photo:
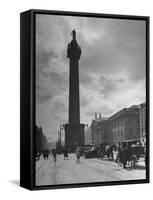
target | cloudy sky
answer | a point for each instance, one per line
(112, 67)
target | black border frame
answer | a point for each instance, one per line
(28, 20)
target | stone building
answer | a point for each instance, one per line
(100, 131)
(40, 140)
(88, 136)
(125, 125)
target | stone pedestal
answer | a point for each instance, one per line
(74, 135)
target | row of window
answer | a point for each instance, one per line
(117, 123)
(117, 134)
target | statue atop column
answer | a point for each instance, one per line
(73, 33)
(74, 50)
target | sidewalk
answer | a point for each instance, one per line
(39, 163)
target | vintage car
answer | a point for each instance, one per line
(91, 152)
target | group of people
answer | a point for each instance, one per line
(45, 154)
(123, 154)
(65, 153)
(76, 152)
(120, 154)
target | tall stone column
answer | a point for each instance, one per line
(74, 131)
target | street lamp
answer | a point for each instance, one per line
(63, 128)
(92, 133)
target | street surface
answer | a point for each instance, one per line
(70, 171)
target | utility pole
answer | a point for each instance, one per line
(92, 133)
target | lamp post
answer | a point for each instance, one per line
(62, 127)
(92, 133)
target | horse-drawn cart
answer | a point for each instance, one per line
(136, 155)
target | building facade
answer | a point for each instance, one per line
(98, 133)
(88, 136)
(41, 143)
(125, 125)
(143, 122)
(101, 132)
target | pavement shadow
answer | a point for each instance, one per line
(15, 182)
(117, 169)
(139, 167)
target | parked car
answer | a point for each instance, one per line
(81, 150)
(91, 152)
(87, 148)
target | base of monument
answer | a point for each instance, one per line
(74, 135)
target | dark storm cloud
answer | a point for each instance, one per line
(121, 49)
(109, 85)
(48, 88)
(50, 85)
(43, 94)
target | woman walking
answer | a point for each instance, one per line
(54, 154)
(78, 156)
(66, 154)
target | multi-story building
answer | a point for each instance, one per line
(100, 132)
(125, 125)
(40, 140)
(88, 136)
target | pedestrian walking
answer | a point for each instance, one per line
(54, 154)
(65, 154)
(115, 153)
(78, 156)
(122, 156)
(127, 151)
(44, 154)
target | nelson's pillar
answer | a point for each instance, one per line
(74, 131)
